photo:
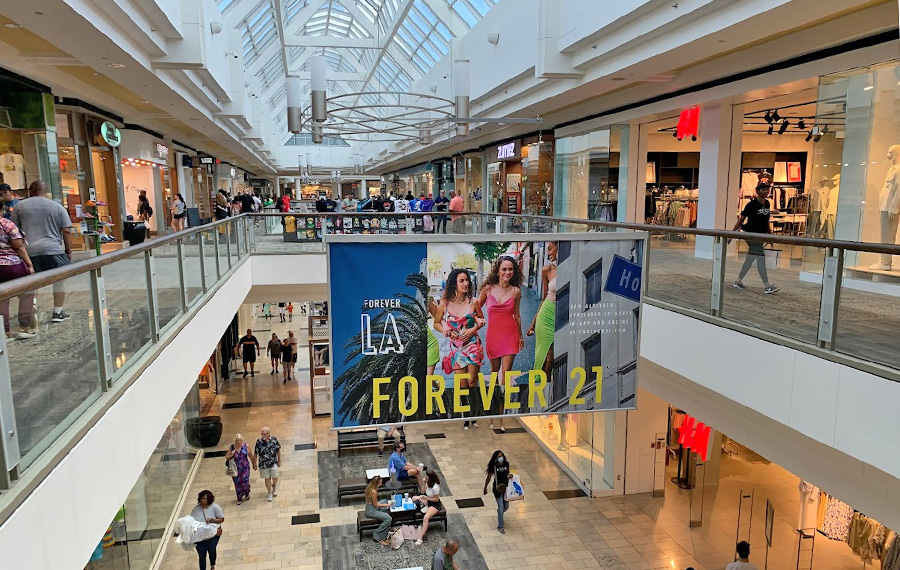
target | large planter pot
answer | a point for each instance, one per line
(203, 432)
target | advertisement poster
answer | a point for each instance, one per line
(440, 329)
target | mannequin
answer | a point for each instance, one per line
(889, 205)
(809, 505)
(832, 205)
(818, 200)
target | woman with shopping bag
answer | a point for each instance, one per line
(498, 470)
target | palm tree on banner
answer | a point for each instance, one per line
(356, 381)
(487, 252)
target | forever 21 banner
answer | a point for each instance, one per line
(428, 329)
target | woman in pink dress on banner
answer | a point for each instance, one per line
(458, 319)
(501, 296)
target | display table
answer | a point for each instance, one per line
(383, 473)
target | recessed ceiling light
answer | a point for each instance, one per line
(116, 65)
(13, 26)
(96, 74)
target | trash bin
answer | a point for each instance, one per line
(134, 232)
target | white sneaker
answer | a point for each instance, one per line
(274, 491)
(880, 267)
(269, 498)
(466, 428)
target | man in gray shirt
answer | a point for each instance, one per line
(443, 558)
(45, 225)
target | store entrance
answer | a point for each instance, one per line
(727, 496)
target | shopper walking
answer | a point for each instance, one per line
(377, 510)
(290, 311)
(287, 358)
(179, 212)
(755, 219)
(295, 350)
(208, 511)
(273, 351)
(222, 206)
(441, 206)
(267, 455)
(458, 223)
(249, 351)
(498, 470)
(241, 455)
(743, 561)
(282, 306)
(443, 558)
(15, 263)
(45, 226)
(145, 212)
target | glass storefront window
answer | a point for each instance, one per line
(469, 181)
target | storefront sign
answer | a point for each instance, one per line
(110, 135)
(207, 160)
(694, 435)
(399, 366)
(688, 123)
(509, 151)
(624, 279)
(162, 151)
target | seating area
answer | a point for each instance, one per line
(413, 517)
(356, 487)
(362, 438)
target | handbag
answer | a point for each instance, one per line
(396, 538)
(447, 365)
(231, 468)
(514, 491)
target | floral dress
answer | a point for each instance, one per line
(462, 354)
(242, 481)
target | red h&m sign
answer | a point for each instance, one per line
(694, 435)
(688, 123)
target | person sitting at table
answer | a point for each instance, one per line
(431, 500)
(377, 510)
(403, 467)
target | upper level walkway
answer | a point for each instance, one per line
(820, 357)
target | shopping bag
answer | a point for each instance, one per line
(772, 256)
(396, 538)
(514, 490)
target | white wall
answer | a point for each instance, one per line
(61, 522)
(851, 411)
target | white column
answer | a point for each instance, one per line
(632, 172)
(721, 136)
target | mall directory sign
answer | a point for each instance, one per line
(444, 327)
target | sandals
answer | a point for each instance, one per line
(384, 542)
(419, 542)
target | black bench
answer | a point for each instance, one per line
(413, 517)
(362, 438)
(356, 486)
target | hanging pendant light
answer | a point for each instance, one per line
(461, 88)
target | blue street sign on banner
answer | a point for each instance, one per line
(624, 279)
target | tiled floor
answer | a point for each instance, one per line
(636, 532)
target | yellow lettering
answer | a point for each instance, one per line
(598, 371)
(377, 396)
(435, 395)
(487, 393)
(582, 376)
(459, 392)
(511, 389)
(410, 393)
(537, 387)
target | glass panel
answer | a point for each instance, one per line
(223, 237)
(679, 272)
(193, 277)
(55, 375)
(209, 253)
(867, 323)
(792, 311)
(233, 240)
(168, 283)
(127, 308)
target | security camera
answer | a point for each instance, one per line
(231, 54)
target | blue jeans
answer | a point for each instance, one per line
(207, 547)
(502, 507)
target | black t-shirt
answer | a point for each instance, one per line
(441, 204)
(246, 203)
(757, 217)
(287, 352)
(248, 342)
(501, 476)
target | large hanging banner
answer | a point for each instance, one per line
(452, 327)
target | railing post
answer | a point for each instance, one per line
(409, 224)
(201, 247)
(239, 236)
(152, 294)
(323, 221)
(832, 277)
(717, 292)
(251, 233)
(101, 328)
(228, 225)
(498, 223)
(217, 234)
(10, 453)
(182, 276)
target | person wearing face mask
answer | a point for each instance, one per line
(403, 467)
(498, 470)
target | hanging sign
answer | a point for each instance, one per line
(688, 123)
(508, 151)
(110, 135)
(694, 435)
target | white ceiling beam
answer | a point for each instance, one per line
(332, 42)
(359, 17)
(334, 76)
(235, 17)
(296, 24)
(388, 38)
(279, 25)
(265, 56)
(448, 15)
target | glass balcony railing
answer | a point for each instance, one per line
(124, 304)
